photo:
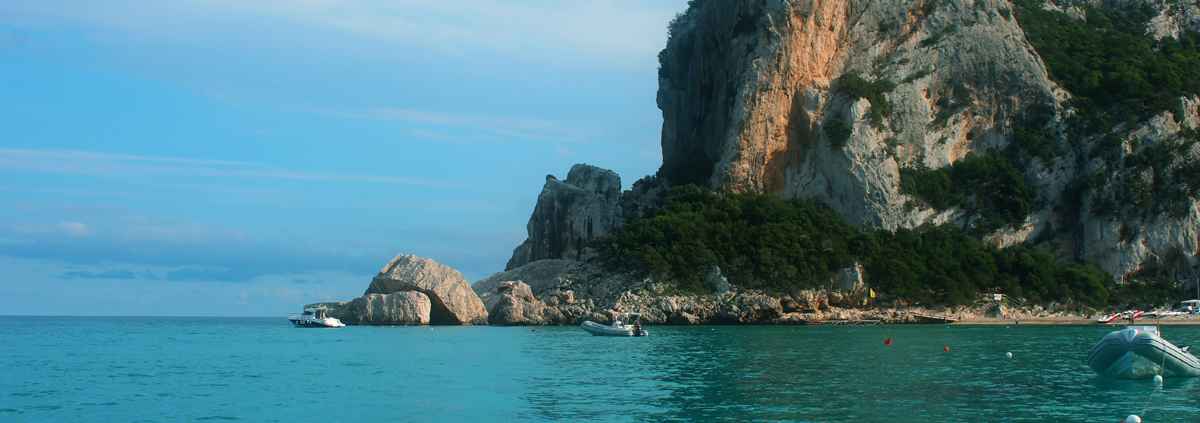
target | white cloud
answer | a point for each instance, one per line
(74, 229)
(603, 32)
(70, 229)
(96, 163)
(505, 127)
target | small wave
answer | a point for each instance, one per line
(226, 418)
(9, 411)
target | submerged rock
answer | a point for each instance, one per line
(451, 299)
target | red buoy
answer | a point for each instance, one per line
(887, 342)
(945, 348)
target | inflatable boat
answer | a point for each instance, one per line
(617, 328)
(1139, 352)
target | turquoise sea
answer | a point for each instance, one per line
(143, 369)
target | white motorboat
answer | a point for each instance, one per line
(1139, 352)
(315, 318)
(617, 328)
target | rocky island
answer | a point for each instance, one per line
(871, 160)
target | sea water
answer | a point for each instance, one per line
(263, 370)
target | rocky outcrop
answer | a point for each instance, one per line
(569, 214)
(451, 299)
(752, 99)
(540, 276)
(514, 304)
(749, 92)
(401, 308)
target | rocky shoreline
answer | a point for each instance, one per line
(411, 290)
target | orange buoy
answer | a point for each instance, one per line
(887, 342)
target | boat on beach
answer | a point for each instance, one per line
(929, 318)
(1140, 352)
(1116, 317)
(315, 318)
(617, 328)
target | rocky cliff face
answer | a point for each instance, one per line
(569, 214)
(757, 96)
(749, 94)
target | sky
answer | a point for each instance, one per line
(243, 158)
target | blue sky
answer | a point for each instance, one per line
(222, 157)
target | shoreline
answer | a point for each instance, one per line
(1075, 322)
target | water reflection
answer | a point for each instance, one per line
(838, 374)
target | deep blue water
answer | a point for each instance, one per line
(263, 370)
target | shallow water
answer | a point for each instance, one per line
(263, 370)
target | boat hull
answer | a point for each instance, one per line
(314, 323)
(1138, 352)
(608, 330)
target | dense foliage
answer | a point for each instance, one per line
(760, 241)
(1159, 178)
(1114, 69)
(854, 86)
(838, 132)
(987, 186)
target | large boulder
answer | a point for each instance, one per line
(451, 299)
(401, 308)
(514, 304)
(540, 275)
(569, 214)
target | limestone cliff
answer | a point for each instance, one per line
(759, 96)
(748, 92)
(569, 214)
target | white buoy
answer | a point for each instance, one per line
(1133, 418)
(1008, 354)
(1158, 380)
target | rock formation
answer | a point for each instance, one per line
(748, 91)
(569, 214)
(400, 308)
(514, 304)
(451, 299)
(752, 101)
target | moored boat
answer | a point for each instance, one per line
(315, 318)
(617, 328)
(929, 318)
(1124, 315)
(1140, 352)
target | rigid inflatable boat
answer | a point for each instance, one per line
(617, 328)
(1139, 352)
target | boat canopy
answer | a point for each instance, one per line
(1191, 302)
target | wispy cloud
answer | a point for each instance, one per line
(97, 163)
(74, 229)
(69, 229)
(102, 274)
(605, 32)
(495, 127)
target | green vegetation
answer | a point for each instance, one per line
(838, 132)
(854, 86)
(986, 185)
(764, 242)
(758, 240)
(1158, 178)
(1115, 70)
